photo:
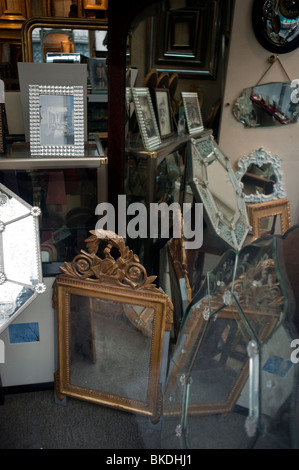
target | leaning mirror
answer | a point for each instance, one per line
(113, 328)
(260, 176)
(267, 105)
(213, 183)
(20, 259)
(232, 357)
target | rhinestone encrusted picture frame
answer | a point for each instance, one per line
(56, 116)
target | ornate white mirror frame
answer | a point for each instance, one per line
(259, 158)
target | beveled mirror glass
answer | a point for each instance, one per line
(20, 259)
(260, 176)
(113, 325)
(267, 105)
(213, 183)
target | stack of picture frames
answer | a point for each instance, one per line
(155, 114)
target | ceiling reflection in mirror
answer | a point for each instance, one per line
(267, 105)
(20, 259)
(213, 183)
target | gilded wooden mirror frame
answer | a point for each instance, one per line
(123, 281)
(55, 23)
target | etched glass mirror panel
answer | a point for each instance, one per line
(20, 259)
(213, 183)
(233, 357)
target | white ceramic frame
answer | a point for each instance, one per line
(192, 97)
(150, 142)
(36, 146)
(261, 157)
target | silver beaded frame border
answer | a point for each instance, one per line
(36, 148)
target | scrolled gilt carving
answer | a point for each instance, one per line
(125, 270)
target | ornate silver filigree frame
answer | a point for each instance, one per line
(261, 157)
(70, 149)
(205, 154)
(146, 118)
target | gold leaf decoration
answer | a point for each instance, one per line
(124, 270)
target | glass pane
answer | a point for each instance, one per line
(67, 199)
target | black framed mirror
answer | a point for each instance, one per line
(276, 24)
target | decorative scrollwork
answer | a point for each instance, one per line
(124, 270)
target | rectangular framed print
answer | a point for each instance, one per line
(146, 118)
(193, 113)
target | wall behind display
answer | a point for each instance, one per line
(247, 63)
(50, 74)
(31, 362)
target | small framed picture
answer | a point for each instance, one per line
(193, 113)
(98, 74)
(146, 118)
(56, 115)
(161, 102)
(95, 4)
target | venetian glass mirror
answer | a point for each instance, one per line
(114, 327)
(267, 105)
(260, 176)
(232, 357)
(20, 259)
(213, 183)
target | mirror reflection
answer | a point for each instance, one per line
(260, 176)
(276, 24)
(259, 179)
(82, 42)
(267, 105)
(108, 351)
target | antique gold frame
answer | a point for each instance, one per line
(122, 280)
(59, 23)
(259, 211)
